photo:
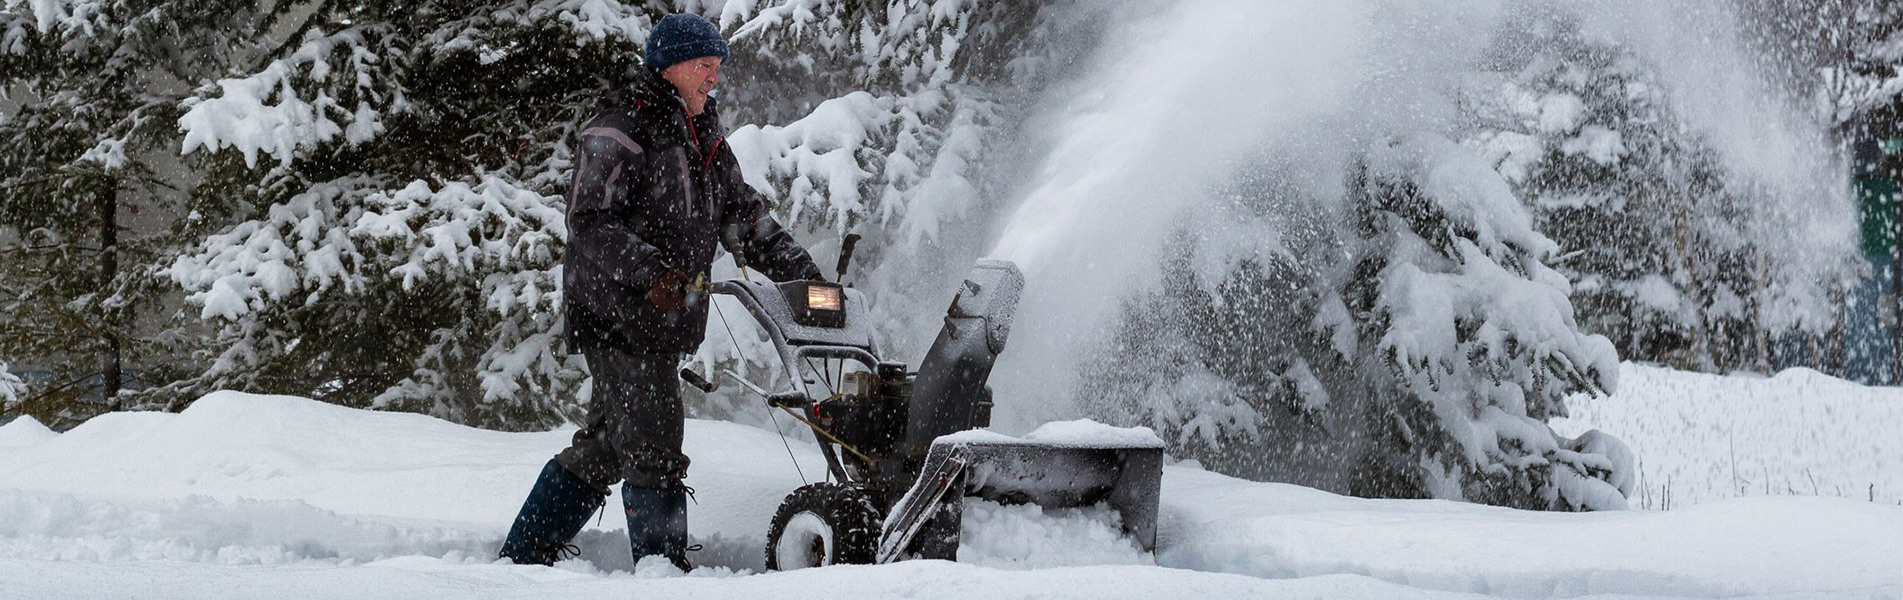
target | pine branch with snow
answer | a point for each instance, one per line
(385, 200)
(1472, 323)
(87, 203)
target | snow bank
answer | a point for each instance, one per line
(23, 432)
(1824, 546)
(1700, 438)
(341, 464)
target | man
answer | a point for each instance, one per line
(655, 188)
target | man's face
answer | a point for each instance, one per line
(694, 79)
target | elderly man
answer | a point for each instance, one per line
(655, 189)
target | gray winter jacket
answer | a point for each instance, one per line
(655, 190)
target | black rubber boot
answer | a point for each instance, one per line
(551, 516)
(657, 523)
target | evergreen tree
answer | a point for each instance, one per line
(1416, 351)
(1666, 246)
(1862, 70)
(395, 175)
(89, 205)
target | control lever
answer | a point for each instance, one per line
(787, 399)
(699, 383)
(845, 256)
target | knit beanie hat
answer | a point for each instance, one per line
(683, 37)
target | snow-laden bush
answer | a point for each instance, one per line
(1405, 340)
(1471, 321)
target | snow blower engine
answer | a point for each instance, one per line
(901, 446)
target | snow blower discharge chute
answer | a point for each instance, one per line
(903, 447)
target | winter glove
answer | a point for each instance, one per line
(669, 291)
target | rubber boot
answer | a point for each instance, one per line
(657, 523)
(551, 516)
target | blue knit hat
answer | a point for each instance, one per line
(683, 37)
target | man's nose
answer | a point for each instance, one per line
(713, 79)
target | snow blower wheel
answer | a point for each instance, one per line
(823, 524)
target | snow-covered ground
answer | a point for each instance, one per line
(1705, 437)
(246, 496)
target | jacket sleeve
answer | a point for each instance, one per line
(601, 243)
(747, 223)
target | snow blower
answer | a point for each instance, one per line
(903, 448)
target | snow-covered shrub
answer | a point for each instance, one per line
(1406, 340)
(1471, 321)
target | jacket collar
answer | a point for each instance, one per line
(648, 89)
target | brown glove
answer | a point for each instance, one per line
(669, 291)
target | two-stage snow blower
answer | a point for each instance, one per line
(900, 468)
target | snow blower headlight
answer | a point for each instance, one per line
(818, 304)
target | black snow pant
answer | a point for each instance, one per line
(633, 431)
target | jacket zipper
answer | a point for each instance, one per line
(693, 137)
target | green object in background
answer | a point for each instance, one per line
(1877, 201)
(1876, 208)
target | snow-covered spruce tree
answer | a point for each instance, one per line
(1652, 226)
(89, 205)
(1408, 341)
(394, 174)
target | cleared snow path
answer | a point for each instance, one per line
(247, 496)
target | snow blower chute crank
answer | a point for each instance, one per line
(899, 476)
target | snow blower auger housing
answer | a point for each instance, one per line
(903, 447)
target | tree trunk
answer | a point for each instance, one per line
(1700, 354)
(1761, 334)
(109, 371)
(1896, 286)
